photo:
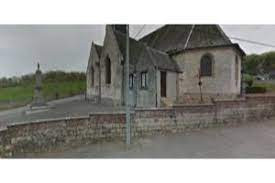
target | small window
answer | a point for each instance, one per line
(206, 65)
(144, 80)
(131, 81)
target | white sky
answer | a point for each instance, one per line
(66, 47)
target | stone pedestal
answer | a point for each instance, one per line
(38, 103)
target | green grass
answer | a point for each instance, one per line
(21, 95)
(64, 89)
(16, 93)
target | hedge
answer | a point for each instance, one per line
(255, 89)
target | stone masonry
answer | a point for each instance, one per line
(50, 135)
(222, 84)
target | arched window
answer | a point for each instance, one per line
(108, 71)
(206, 65)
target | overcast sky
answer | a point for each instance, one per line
(66, 47)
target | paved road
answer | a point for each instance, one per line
(68, 107)
(254, 140)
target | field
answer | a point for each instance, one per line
(11, 97)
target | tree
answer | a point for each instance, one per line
(251, 63)
(259, 64)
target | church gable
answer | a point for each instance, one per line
(111, 69)
(92, 77)
(94, 57)
(111, 47)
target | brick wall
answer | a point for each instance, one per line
(50, 135)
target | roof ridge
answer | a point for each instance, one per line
(223, 33)
(142, 43)
(151, 56)
(149, 49)
(189, 36)
(154, 49)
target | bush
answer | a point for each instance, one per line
(256, 89)
(248, 79)
(249, 83)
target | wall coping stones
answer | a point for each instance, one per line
(108, 112)
(154, 109)
(230, 100)
(193, 105)
(46, 121)
(260, 95)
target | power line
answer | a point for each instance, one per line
(244, 40)
(234, 38)
(253, 42)
(140, 30)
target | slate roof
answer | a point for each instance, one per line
(174, 37)
(139, 50)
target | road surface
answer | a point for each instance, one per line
(68, 107)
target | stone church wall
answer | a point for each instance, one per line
(146, 97)
(221, 83)
(110, 50)
(93, 83)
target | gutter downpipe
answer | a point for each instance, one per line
(156, 69)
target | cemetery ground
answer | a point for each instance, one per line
(248, 140)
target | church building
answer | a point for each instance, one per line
(166, 66)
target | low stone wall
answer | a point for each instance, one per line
(50, 135)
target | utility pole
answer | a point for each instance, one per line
(127, 107)
(200, 83)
